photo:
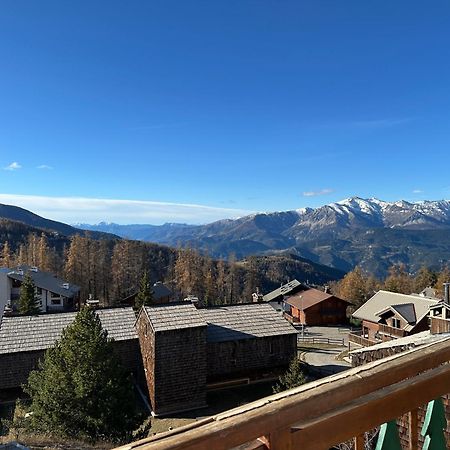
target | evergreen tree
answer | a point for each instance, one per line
(295, 376)
(145, 294)
(28, 303)
(80, 389)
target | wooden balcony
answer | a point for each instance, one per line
(391, 331)
(358, 338)
(321, 414)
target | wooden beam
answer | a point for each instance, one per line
(244, 424)
(369, 411)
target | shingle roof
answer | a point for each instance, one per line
(235, 322)
(46, 281)
(285, 289)
(160, 290)
(30, 333)
(172, 316)
(383, 299)
(310, 297)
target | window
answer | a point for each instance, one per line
(53, 295)
(38, 291)
(56, 301)
(396, 323)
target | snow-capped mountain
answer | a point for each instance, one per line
(370, 232)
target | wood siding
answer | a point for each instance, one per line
(16, 367)
(246, 356)
(332, 311)
(175, 367)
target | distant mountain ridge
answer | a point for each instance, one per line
(370, 232)
(17, 214)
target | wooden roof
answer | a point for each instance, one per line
(39, 332)
(310, 297)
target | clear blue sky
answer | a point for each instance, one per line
(235, 105)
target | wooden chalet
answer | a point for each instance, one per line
(315, 307)
(24, 340)
(184, 349)
(389, 315)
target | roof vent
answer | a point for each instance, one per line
(65, 285)
(34, 269)
(19, 271)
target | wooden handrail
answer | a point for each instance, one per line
(348, 404)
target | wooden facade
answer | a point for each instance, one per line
(15, 367)
(185, 348)
(317, 308)
(249, 357)
(174, 366)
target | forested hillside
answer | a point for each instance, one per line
(110, 269)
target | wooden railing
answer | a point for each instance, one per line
(321, 414)
(319, 340)
(357, 338)
(390, 331)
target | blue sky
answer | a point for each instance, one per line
(229, 105)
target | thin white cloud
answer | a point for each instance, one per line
(317, 193)
(417, 191)
(94, 210)
(13, 166)
(44, 167)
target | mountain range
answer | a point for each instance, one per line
(368, 232)
(17, 223)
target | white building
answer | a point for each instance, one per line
(53, 294)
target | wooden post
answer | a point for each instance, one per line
(413, 430)
(359, 442)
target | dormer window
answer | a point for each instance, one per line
(396, 323)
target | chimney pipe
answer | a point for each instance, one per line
(447, 293)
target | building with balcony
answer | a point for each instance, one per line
(52, 293)
(389, 315)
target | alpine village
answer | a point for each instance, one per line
(106, 340)
(224, 225)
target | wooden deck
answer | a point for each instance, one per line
(318, 415)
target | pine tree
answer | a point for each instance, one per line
(295, 376)
(28, 303)
(145, 294)
(80, 389)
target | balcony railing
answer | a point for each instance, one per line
(391, 331)
(321, 414)
(358, 338)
